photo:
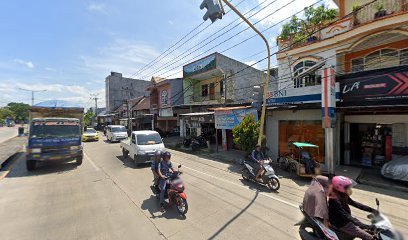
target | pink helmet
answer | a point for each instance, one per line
(341, 183)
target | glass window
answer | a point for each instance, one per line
(222, 88)
(90, 130)
(118, 129)
(164, 97)
(54, 129)
(148, 139)
(357, 65)
(310, 79)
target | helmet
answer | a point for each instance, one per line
(341, 183)
(166, 154)
(158, 153)
(257, 145)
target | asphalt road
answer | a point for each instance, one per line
(108, 198)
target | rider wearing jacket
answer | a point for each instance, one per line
(155, 167)
(165, 168)
(315, 199)
(340, 213)
(256, 156)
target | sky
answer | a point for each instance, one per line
(68, 47)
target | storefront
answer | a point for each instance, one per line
(226, 119)
(375, 108)
(143, 122)
(196, 124)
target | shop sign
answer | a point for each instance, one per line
(228, 119)
(329, 98)
(387, 86)
(200, 66)
(290, 95)
(166, 112)
(196, 120)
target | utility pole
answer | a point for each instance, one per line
(95, 98)
(32, 93)
(215, 11)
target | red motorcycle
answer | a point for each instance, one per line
(175, 192)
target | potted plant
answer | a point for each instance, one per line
(381, 11)
(356, 7)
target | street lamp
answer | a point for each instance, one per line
(32, 93)
(214, 12)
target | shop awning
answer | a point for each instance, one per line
(302, 144)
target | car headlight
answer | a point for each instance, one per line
(35, 150)
(75, 148)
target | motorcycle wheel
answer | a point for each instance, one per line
(273, 184)
(245, 174)
(283, 163)
(182, 205)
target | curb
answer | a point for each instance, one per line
(9, 164)
(385, 186)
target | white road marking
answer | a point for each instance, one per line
(244, 187)
(92, 163)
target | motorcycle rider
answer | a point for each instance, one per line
(340, 213)
(154, 167)
(315, 199)
(256, 156)
(165, 169)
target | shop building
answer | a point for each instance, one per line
(198, 123)
(358, 43)
(166, 100)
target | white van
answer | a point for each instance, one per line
(116, 133)
(141, 146)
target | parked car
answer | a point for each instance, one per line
(141, 146)
(90, 134)
(396, 169)
(116, 133)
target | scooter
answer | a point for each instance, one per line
(268, 178)
(312, 229)
(175, 192)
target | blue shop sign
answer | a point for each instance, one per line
(228, 119)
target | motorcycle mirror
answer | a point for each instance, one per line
(377, 202)
(179, 166)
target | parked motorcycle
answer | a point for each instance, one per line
(312, 229)
(187, 142)
(175, 192)
(269, 177)
(198, 142)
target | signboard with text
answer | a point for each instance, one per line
(228, 119)
(203, 65)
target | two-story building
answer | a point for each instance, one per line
(216, 81)
(166, 100)
(367, 47)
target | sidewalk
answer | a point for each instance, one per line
(11, 147)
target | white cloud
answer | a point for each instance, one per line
(249, 63)
(50, 69)
(28, 64)
(97, 7)
(171, 22)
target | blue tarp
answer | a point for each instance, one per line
(57, 104)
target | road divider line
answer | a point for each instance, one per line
(92, 163)
(244, 187)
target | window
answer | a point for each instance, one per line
(212, 91)
(222, 82)
(382, 58)
(204, 90)
(310, 79)
(164, 97)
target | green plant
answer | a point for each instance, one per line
(379, 6)
(356, 6)
(298, 30)
(246, 133)
(89, 115)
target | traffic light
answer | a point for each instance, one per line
(214, 10)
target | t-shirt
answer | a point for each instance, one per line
(154, 166)
(164, 167)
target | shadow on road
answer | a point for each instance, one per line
(214, 236)
(130, 164)
(152, 205)
(43, 168)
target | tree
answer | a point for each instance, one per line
(89, 116)
(6, 112)
(299, 30)
(20, 110)
(246, 133)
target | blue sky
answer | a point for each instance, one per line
(69, 47)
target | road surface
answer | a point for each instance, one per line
(108, 198)
(7, 132)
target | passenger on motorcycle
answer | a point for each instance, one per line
(315, 199)
(155, 166)
(340, 213)
(256, 156)
(165, 169)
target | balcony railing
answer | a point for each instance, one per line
(209, 97)
(370, 12)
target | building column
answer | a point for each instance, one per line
(224, 139)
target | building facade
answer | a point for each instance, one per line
(119, 89)
(367, 49)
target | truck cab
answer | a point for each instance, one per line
(141, 146)
(54, 135)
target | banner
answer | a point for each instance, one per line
(203, 65)
(228, 119)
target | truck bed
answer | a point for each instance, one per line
(125, 144)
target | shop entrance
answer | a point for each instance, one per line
(370, 144)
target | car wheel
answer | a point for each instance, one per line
(31, 165)
(79, 160)
(135, 161)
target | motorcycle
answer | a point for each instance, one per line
(198, 142)
(312, 229)
(269, 177)
(174, 192)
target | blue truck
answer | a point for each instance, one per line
(55, 132)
